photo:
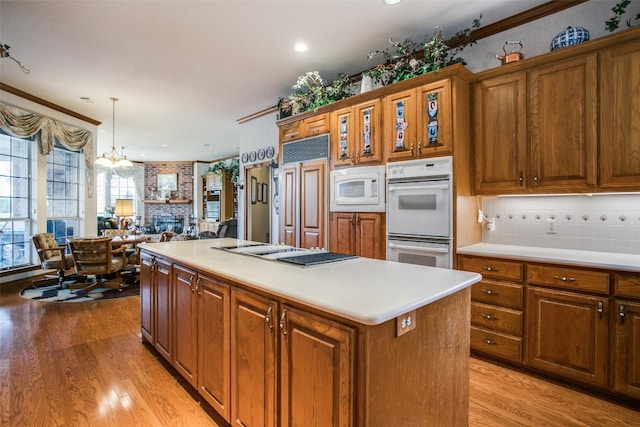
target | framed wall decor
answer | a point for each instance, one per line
(167, 182)
(254, 190)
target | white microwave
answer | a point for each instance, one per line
(357, 189)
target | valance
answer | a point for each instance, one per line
(25, 124)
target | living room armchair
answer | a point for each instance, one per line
(96, 257)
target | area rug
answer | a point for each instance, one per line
(53, 293)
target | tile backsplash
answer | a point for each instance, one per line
(604, 223)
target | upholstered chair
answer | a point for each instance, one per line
(97, 258)
(52, 256)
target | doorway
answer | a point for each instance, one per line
(260, 188)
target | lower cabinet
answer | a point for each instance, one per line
(568, 334)
(316, 365)
(163, 286)
(626, 346)
(361, 234)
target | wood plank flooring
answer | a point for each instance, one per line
(82, 364)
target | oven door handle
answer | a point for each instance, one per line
(417, 248)
(421, 187)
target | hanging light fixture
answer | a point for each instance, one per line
(4, 53)
(113, 159)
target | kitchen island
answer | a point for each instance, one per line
(359, 342)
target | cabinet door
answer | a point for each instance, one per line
(343, 137)
(563, 119)
(434, 119)
(370, 234)
(288, 205)
(400, 125)
(315, 125)
(290, 131)
(343, 235)
(147, 293)
(253, 360)
(620, 117)
(500, 138)
(626, 378)
(368, 132)
(317, 371)
(313, 205)
(164, 309)
(185, 323)
(568, 334)
(214, 357)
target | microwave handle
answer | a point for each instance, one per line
(421, 187)
(433, 250)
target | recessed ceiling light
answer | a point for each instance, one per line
(392, 2)
(165, 145)
(301, 47)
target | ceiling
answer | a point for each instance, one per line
(186, 71)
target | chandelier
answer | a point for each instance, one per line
(113, 159)
(4, 53)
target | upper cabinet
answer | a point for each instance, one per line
(548, 125)
(620, 117)
(356, 134)
(304, 128)
(417, 122)
(535, 129)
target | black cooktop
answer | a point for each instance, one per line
(315, 258)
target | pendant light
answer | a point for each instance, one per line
(113, 159)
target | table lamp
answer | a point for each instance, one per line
(124, 209)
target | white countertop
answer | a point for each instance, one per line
(608, 260)
(364, 290)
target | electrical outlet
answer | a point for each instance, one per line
(551, 226)
(405, 323)
(491, 224)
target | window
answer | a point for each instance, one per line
(63, 196)
(15, 224)
(110, 189)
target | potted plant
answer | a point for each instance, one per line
(312, 92)
(231, 168)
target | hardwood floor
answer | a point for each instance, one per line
(81, 364)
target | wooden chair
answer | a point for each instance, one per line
(131, 254)
(52, 256)
(95, 257)
(166, 236)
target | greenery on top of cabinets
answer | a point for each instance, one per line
(618, 10)
(231, 168)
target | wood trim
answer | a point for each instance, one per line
(260, 113)
(47, 104)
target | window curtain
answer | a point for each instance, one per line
(135, 172)
(24, 124)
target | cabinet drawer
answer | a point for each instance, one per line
(316, 125)
(568, 278)
(627, 285)
(497, 293)
(497, 269)
(497, 344)
(290, 131)
(496, 318)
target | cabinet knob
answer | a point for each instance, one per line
(490, 269)
(564, 279)
(489, 292)
(521, 179)
(600, 308)
(489, 341)
(488, 316)
(535, 178)
(621, 313)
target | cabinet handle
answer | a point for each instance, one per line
(621, 313)
(489, 292)
(521, 179)
(357, 157)
(357, 219)
(411, 147)
(267, 318)
(490, 269)
(535, 178)
(564, 279)
(191, 284)
(600, 308)
(488, 316)
(488, 341)
(419, 147)
(283, 319)
(352, 218)
(198, 289)
(353, 159)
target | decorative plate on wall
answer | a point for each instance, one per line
(270, 152)
(252, 156)
(245, 157)
(261, 154)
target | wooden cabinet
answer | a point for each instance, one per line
(213, 181)
(185, 323)
(418, 122)
(317, 362)
(214, 354)
(544, 119)
(311, 126)
(254, 334)
(626, 346)
(147, 298)
(568, 334)
(619, 117)
(361, 234)
(356, 134)
(289, 177)
(162, 283)
(496, 307)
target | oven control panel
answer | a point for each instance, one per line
(420, 168)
